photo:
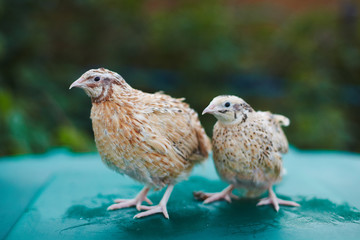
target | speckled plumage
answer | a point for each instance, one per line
(247, 145)
(248, 153)
(153, 138)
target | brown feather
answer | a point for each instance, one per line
(247, 150)
(153, 138)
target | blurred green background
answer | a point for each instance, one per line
(297, 58)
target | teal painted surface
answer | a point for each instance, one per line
(61, 195)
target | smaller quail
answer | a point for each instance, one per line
(247, 150)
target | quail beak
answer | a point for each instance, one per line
(78, 83)
(209, 109)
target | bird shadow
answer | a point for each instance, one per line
(191, 217)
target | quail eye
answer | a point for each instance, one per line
(227, 104)
(96, 79)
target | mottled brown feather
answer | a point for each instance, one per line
(153, 138)
(247, 151)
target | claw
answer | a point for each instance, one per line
(148, 201)
(125, 203)
(153, 210)
(225, 194)
(160, 208)
(227, 198)
(272, 199)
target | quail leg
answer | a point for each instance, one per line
(137, 201)
(225, 194)
(272, 199)
(160, 208)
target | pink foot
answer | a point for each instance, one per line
(272, 199)
(161, 208)
(225, 194)
(137, 201)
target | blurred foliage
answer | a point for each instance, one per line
(305, 65)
